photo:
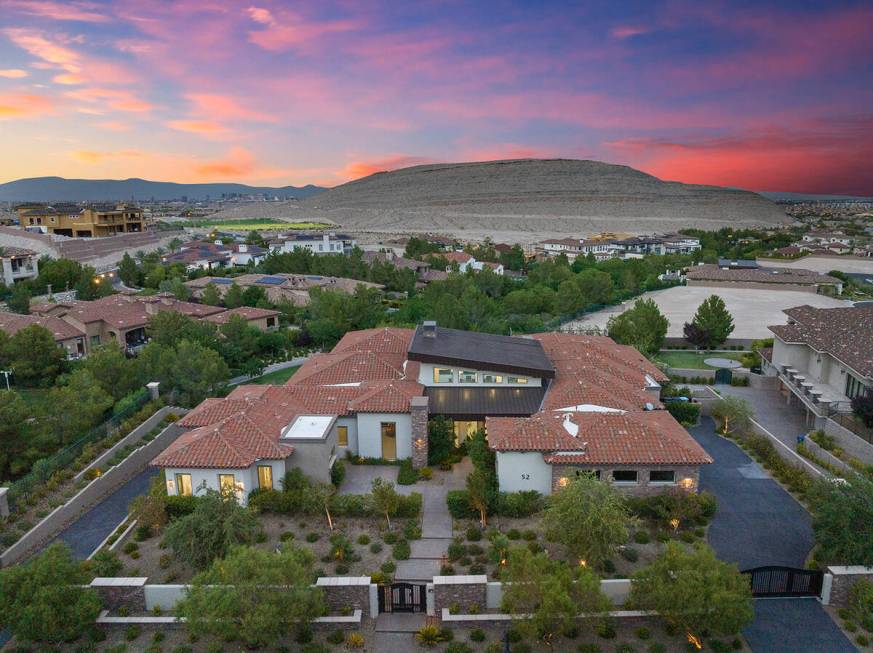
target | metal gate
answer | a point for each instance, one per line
(723, 376)
(785, 581)
(402, 597)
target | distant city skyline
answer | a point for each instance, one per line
(769, 96)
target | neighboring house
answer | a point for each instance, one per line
(65, 334)
(768, 278)
(824, 356)
(280, 286)
(243, 254)
(866, 251)
(78, 222)
(571, 247)
(466, 262)
(201, 255)
(678, 244)
(827, 237)
(551, 404)
(18, 264)
(320, 243)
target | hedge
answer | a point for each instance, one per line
(684, 411)
(509, 504)
(342, 505)
(179, 506)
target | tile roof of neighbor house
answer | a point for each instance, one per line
(491, 352)
(248, 313)
(456, 257)
(127, 311)
(795, 276)
(11, 252)
(12, 323)
(844, 333)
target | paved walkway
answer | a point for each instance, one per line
(758, 523)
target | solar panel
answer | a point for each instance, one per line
(221, 281)
(273, 281)
(313, 277)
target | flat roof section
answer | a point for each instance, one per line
(434, 344)
(309, 427)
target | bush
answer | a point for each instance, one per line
(388, 567)
(477, 635)
(629, 553)
(529, 535)
(179, 506)
(130, 547)
(363, 539)
(447, 570)
(684, 411)
(409, 506)
(406, 475)
(606, 630)
(624, 648)
(142, 533)
(337, 473)
(312, 537)
(355, 640)
(412, 531)
(390, 538)
(375, 547)
(513, 534)
(458, 647)
(132, 632)
(643, 633)
(657, 647)
(425, 473)
(589, 648)
(642, 537)
(474, 534)
(286, 536)
(520, 504)
(401, 550)
(336, 637)
(458, 502)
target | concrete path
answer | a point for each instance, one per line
(758, 523)
(359, 478)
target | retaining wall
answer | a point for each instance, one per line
(852, 444)
(841, 581)
(89, 496)
(825, 455)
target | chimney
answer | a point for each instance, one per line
(428, 328)
(419, 414)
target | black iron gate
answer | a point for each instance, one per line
(785, 581)
(723, 376)
(402, 597)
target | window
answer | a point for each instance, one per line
(854, 388)
(662, 476)
(467, 376)
(492, 378)
(516, 380)
(443, 375)
(226, 483)
(593, 472)
(95, 340)
(183, 485)
(342, 436)
(265, 477)
(624, 476)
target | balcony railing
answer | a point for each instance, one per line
(820, 402)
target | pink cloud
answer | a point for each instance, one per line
(118, 99)
(359, 169)
(13, 73)
(224, 107)
(95, 156)
(628, 31)
(86, 12)
(288, 30)
(114, 125)
(261, 15)
(196, 126)
(25, 105)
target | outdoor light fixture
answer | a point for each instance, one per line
(674, 523)
(563, 481)
(583, 563)
(687, 483)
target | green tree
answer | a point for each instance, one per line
(713, 321)
(319, 497)
(150, 509)
(569, 298)
(385, 498)
(440, 439)
(168, 328)
(35, 357)
(176, 287)
(233, 298)
(78, 404)
(211, 296)
(843, 520)
(128, 271)
(114, 372)
(589, 517)
(197, 373)
(14, 435)
(44, 599)
(217, 524)
(642, 326)
(174, 244)
(694, 590)
(19, 299)
(239, 343)
(735, 412)
(478, 491)
(596, 286)
(546, 597)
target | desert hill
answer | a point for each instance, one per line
(527, 199)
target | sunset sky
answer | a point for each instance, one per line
(758, 95)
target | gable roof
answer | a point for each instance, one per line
(12, 323)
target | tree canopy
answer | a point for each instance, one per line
(643, 327)
(711, 325)
(843, 520)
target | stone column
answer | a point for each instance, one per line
(117, 592)
(465, 591)
(4, 503)
(154, 389)
(418, 412)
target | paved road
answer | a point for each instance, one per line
(758, 523)
(294, 362)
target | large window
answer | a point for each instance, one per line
(662, 476)
(226, 483)
(516, 380)
(589, 472)
(183, 485)
(443, 375)
(624, 476)
(265, 477)
(342, 436)
(467, 376)
(492, 378)
(854, 388)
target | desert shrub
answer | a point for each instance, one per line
(409, 506)
(179, 506)
(337, 473)
(363, 539)
(684, 411)
(375, 547)
(458, 502)
(629, 553)
(642, 537)
(513, 534)
(520, 504)
(477, 635)
(401, 550)
(473, 533)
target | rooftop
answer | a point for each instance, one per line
(794, 276)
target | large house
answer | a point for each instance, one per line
(747, 274)
(552, 405)
(18, 264)
(824, 356)
(280, 286)
(317, 243)
(79, 326)
(78, 222)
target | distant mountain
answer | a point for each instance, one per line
(777, 196)
(58, 189)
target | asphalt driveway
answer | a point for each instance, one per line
(757, 523)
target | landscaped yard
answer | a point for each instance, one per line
(276, 378)
(694, 360)
(251, 224)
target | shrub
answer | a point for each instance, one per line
(425, 473)
(528, 535)
(642, 537)
(388, 567)
(456, 551)
(401, 550)
(513, 534)
(341, 568)
(624, 648)
(142, 533)
(465, 561)
(406, 475)
(657, 647)
(337, 473)
(629, 553)
(447, 570)
(286, 536)
(390, 538)
(477, 568)
(130, 547)
(363, 539)
(477, 635)
(458, 502)
(355, 640)
(409, 506)
(643, 632)
(609, 566)
(412, 531)
(589, 648)
(684, 411)
(605, 630)
(475, 550)
(132, 632)
(165, 560)
(458, 647)
(520, 504)
(312, 537)
(862, 640)
(429, 635)
(375, 547)
(158, 637)
(474, 533)
(179, 506)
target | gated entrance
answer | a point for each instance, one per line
(723, 376)
(402, 597)
(785, 581)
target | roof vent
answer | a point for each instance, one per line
(650, 406)
(428, 327)
(569, 426)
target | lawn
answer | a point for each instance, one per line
(276, 378)
(693, 360)
(251, 224)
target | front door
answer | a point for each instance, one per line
(389, 440)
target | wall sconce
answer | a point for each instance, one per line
(563, 481)
(583, 563)
(674, 523)
(687, 483)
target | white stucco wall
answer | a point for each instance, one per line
(425, 377)
(369, 434)
(352, 424)
(517, 472)
(796, 356)
(248, 478)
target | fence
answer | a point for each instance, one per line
(42, 470)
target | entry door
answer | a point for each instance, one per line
(389, 440)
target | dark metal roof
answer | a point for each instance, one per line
(479, 403)
(746, 264)
(433, 344)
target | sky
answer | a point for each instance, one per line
(759, 95)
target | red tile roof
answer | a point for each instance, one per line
(248, 313)
(11, 323)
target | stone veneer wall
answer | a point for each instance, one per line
(465, 591)
(842, 580)
(641, 488)
(418, 413)
(118, 592)
(344, 591)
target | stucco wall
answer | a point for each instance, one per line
(517, 472)
(313, 456)
(753, 285)
(370, 434)
(796, 356)
(246, 479)
(352, 424)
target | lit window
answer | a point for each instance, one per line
(624, 476)
(662, 476)
(443, 375)
(589, 472)
(183, 483)
(516, 380)
(492, 378)
(467, 376)
(265, 477)
(342, 436)
(226, 483)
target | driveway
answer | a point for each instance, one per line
(758, 523)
